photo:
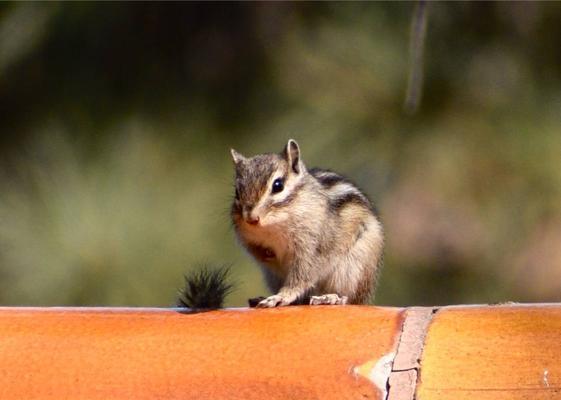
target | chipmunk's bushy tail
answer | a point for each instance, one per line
(206, 287)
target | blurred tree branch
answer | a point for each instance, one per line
(416, 55)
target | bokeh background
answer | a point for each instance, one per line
(116, 121)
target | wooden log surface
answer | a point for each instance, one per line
(283, 353)
(497, 352)
(328, 352)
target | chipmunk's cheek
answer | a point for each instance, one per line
(265, 218)
(274, 217)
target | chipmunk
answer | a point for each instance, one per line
(314, 233)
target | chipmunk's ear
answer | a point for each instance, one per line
(292, 155)
(236, 157)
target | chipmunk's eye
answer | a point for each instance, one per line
(237, 194)
(278, 185)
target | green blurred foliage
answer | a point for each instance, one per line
(117, 119)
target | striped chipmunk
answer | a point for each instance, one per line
(315, 235)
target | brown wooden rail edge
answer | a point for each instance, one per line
(510, 351)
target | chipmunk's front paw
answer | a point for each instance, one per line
(273, 301)
(332, 299)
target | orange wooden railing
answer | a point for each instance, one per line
(327, 352)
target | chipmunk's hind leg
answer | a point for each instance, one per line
(328, 299)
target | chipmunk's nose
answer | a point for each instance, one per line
(249, 216)
(252, 220)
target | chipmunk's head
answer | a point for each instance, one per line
(266, 184)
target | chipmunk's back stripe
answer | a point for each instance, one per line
(326, 178)
(352, 197)
(343, 190)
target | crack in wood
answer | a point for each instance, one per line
(402, 381)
